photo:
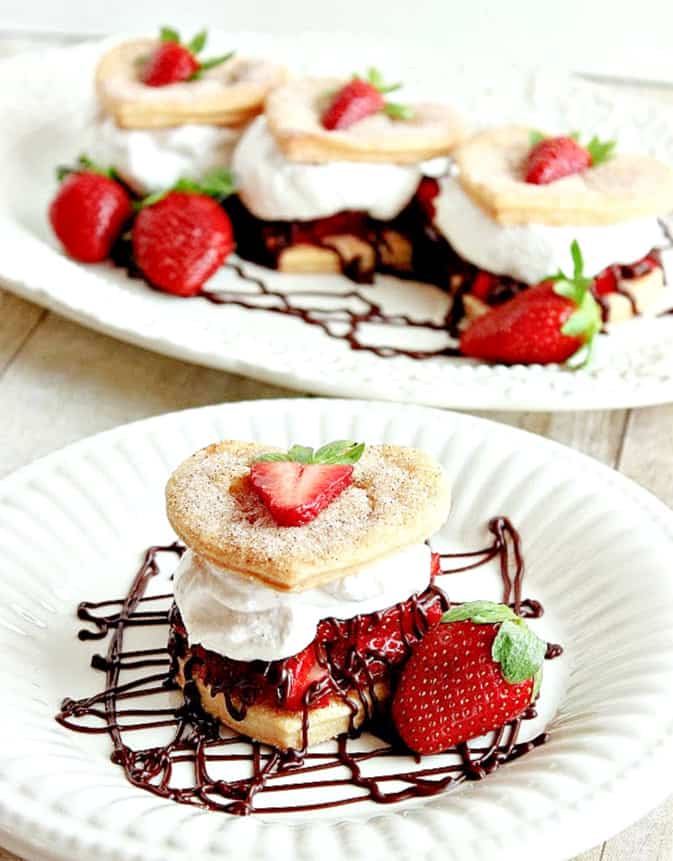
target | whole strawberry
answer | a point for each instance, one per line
(361, 98)
(182, 237)
(172, 62)
(89, 211)
(552, 158)
(297, 485)
(554, 322)
(479, 668)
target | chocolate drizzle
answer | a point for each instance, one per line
(230, 773)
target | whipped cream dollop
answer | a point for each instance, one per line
(154, 159)
(276, 189)
(243, 619)
(531, 252)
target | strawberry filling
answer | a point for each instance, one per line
(345, 654)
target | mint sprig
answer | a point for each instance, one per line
(218, 184)
(195, 45)
(518, 650)
(393, 109)
(586, 322)
(341, 451)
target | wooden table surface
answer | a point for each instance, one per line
(60, 382)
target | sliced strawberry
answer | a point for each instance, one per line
(483, 284)
(296, 675)
(426, 193)
(296, 493)
(474, 672)
(170, 63)
(555, 158)
(354, 101)
(606, 281)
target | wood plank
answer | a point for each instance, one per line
(68, 382)
(18, 319)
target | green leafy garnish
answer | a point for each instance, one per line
(398, 111)
(535, 137)
(84, 163)
(516, 648)
(218, 184)
(198, 42)
(600, 151)
(586, 322)
(341, 451)
(392, 109)
(168, 34)
(375, 78)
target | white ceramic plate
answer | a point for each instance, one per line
(46, 104)
(598, 549)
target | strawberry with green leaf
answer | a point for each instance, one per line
(479, 668)
(173, 62)
(361, 98)
(89, 210)
(555, 322)
(295, 486)
(182, 236)
(552, 158)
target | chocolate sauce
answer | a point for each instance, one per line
(142, 702)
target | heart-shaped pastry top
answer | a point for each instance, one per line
(399, 497)
(294, 114)
(229, 94)
(491, 168)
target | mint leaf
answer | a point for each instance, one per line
(536, 137)
(271, 456)
(343, 451)
(168, 34)
(198, 43)
(480, 612)
(537, 684)
(300, 454)
(398, 111)
(210, 63)
(600, 151)
(518, 650)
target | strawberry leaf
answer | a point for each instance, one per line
(480, 612)
(198, 43)
(518, 650)
(398, 111)
(211, 63)
(300, 454)
(536, 137)
(168, 34)
(600, 151)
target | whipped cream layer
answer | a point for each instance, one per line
(531, 252)
(243, 619)
(276, 189)
(154, 159)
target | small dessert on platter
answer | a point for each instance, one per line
(168, 112)
(325, 173)
(517, 200)
(307, 580)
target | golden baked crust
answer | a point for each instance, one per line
(399, 497)
(231, 94)
(293, 112)
(284, 729)
(491, 169)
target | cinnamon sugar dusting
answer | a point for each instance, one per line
(398, 497)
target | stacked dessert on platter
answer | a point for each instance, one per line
(325, 175)
(306, 601)
(166, 112)
(539, 241)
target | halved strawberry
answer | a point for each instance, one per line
(173, 62)
(297, 485)
(296, 493)
(552, 158)
(296, 675)
(360, 98)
